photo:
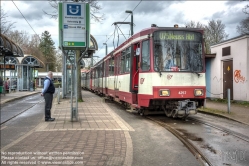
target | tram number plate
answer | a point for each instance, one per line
(182, 92)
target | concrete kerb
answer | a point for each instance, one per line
(129, 147)
(222, 116)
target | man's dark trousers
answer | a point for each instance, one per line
(48, 104)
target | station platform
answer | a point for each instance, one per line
(238, 112)
(99, 137)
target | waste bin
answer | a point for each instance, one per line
(1, 89)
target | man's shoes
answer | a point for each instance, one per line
(49, 119)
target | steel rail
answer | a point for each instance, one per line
(230, 132)
(1, 123)
(20, 112)
(197, 153)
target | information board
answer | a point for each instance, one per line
(7, 67)
(74, 21)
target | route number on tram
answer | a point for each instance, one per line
(182, 92)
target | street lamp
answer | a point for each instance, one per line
(105, 48)
(129, 11)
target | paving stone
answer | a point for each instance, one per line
(99, 133)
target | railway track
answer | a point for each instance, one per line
(197, 153)
(220, 128)
(27, 99)
(19, 113)
(16, 104)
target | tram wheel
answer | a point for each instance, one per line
(167, 112)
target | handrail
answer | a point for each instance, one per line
(133, 80)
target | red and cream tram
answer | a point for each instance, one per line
(157, 69)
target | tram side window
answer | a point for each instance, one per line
(145, 60)
(104, 72)
(92, 74)
(106, 68)
(127, 60)
(96, 73)
(123, 62)
(100, 71)
(111, 67)
(118, 64)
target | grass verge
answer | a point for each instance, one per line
(215, 111)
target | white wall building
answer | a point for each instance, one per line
(229, 69)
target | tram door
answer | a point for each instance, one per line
(105, 77)
(96, 83)
(134, 71)
(101, 77)
(116, 73)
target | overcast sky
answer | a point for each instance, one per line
(162, 13)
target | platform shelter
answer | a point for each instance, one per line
(8, 53)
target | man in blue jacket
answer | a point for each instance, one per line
(47, 92)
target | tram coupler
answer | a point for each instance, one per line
(185, 108)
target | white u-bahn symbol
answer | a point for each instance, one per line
(74, 10)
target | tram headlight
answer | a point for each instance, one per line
(198, 92)
(164, 92)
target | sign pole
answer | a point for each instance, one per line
(4, 72)
(74, 34)
(77, 54)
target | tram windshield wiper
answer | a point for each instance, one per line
(160, 72)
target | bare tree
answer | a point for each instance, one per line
(214, 33)
(58, 63)
(95, 8)
(193, 24)
(243, 27)
(245, 9)
(5, 25)
(33, 48)
(35, 41)
(21, 38)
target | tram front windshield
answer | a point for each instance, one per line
(178, 51)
